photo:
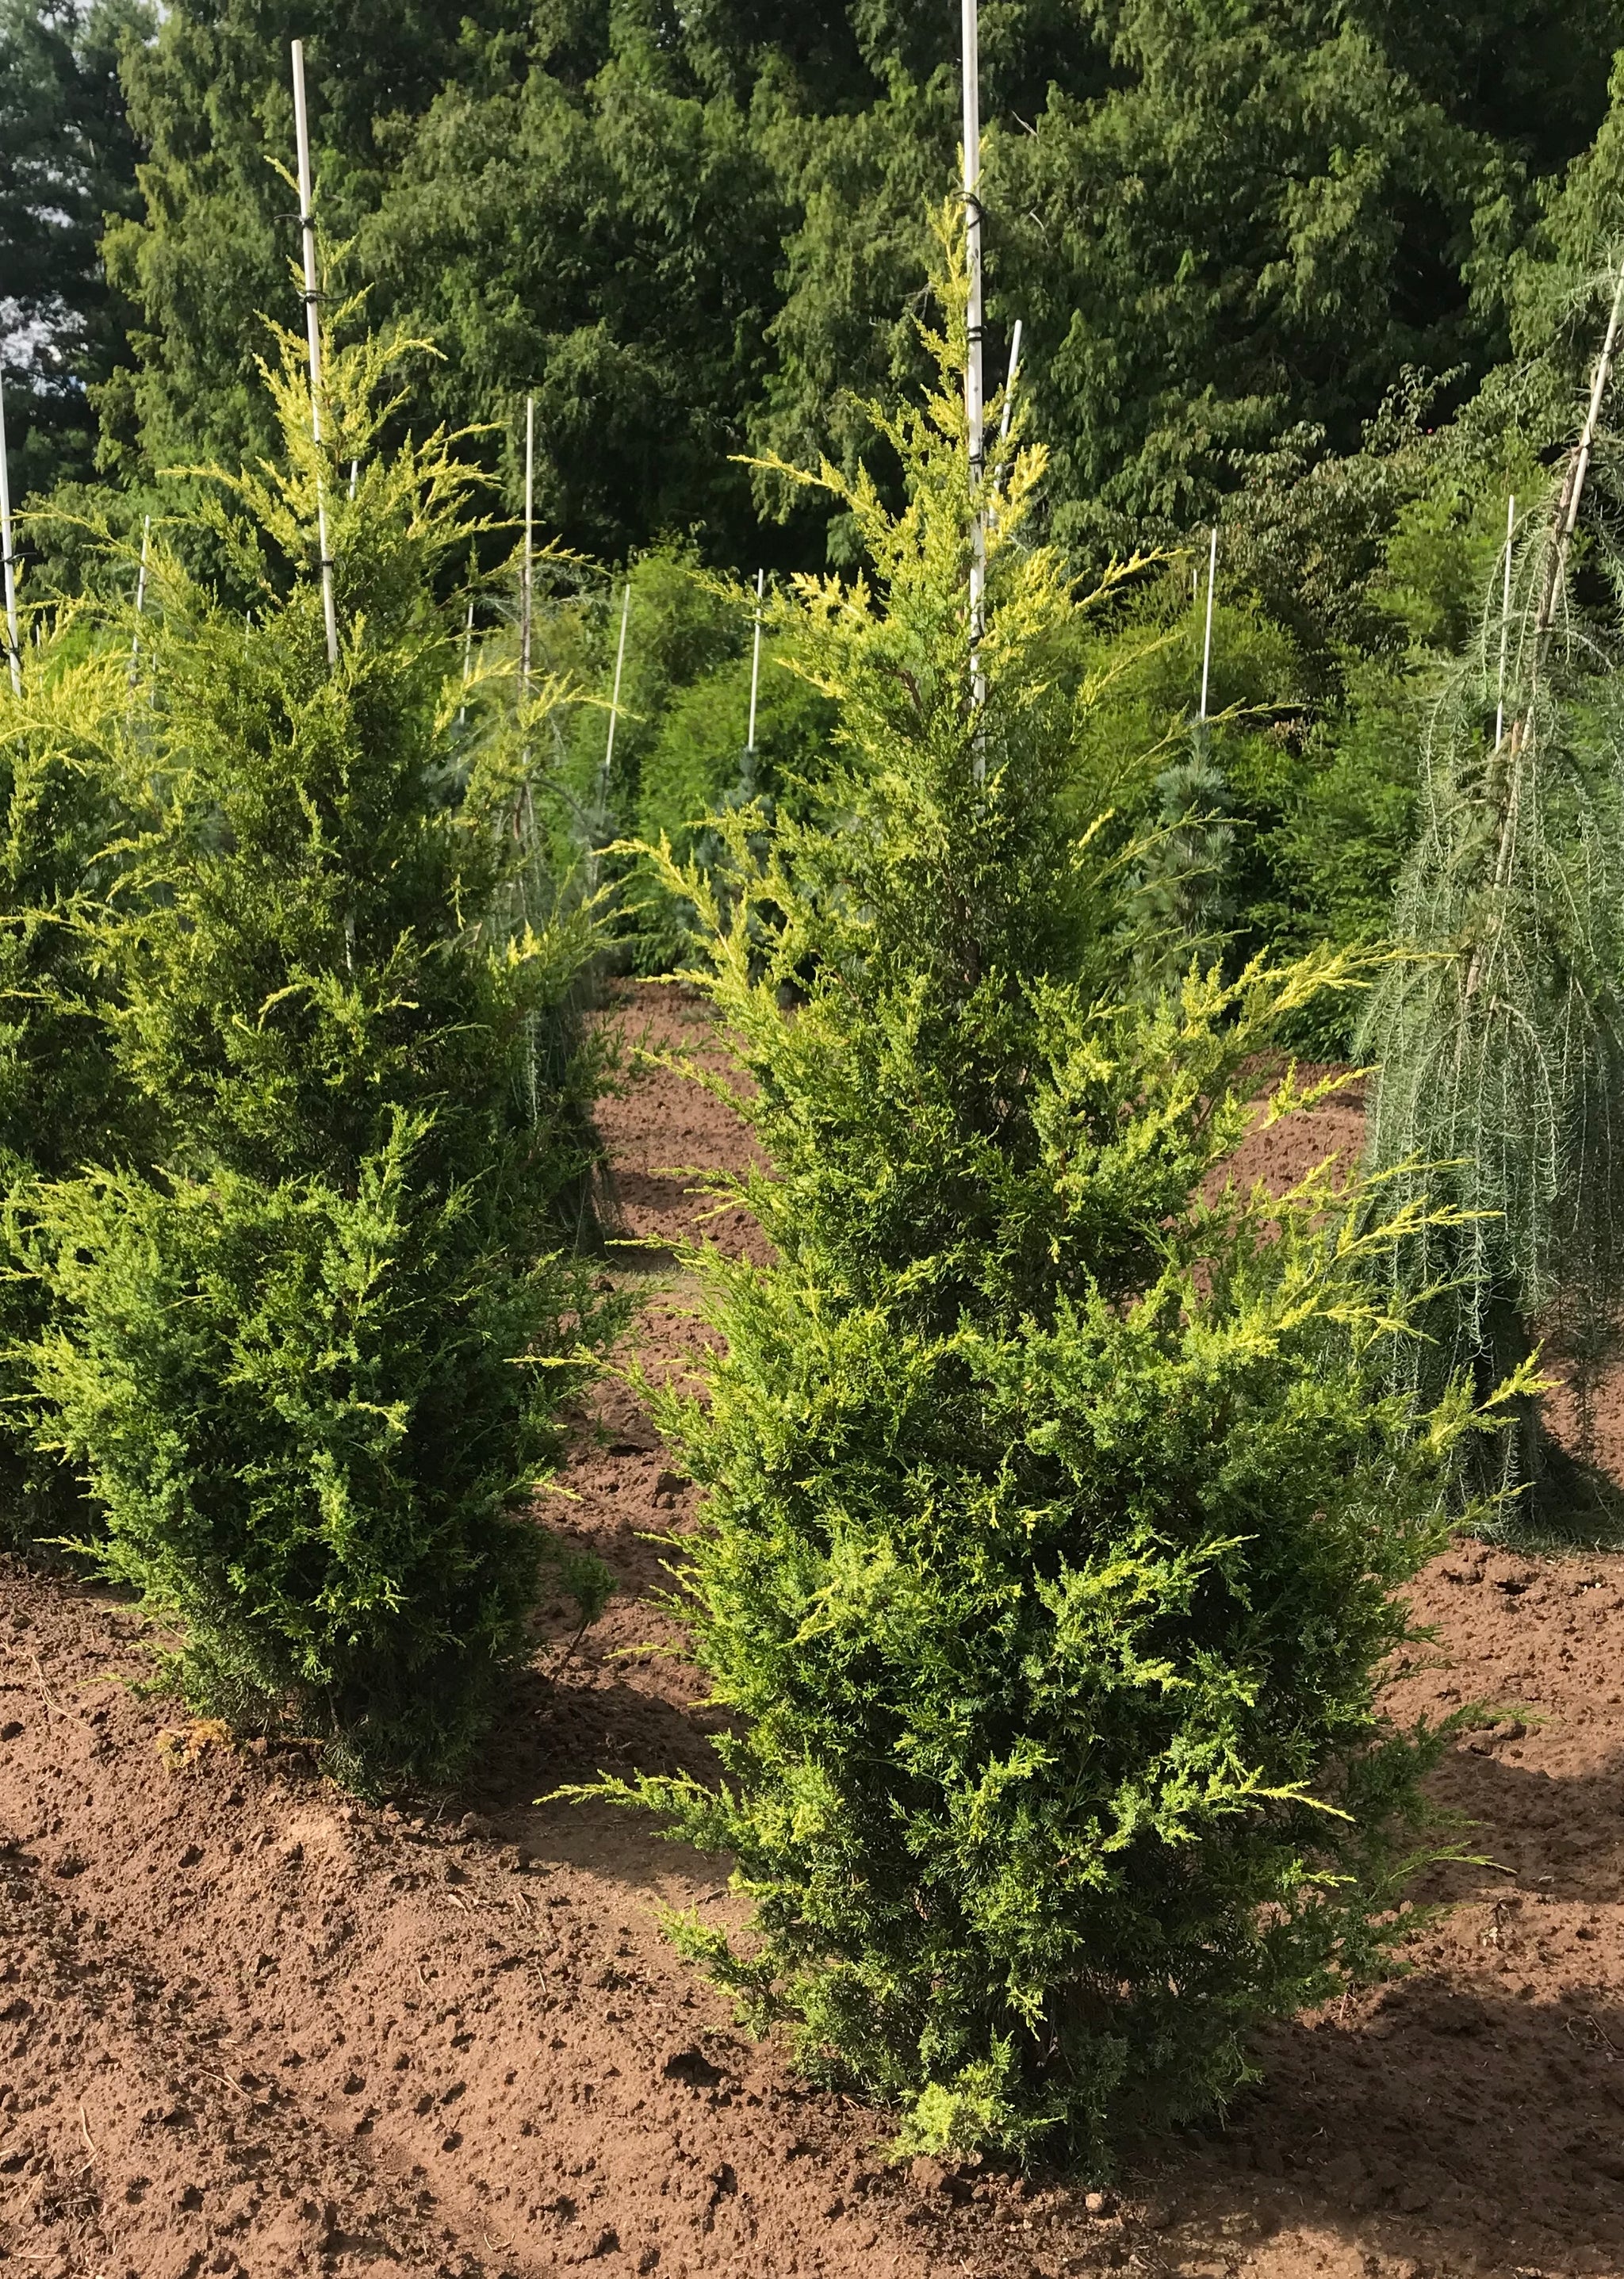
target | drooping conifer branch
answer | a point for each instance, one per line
(1500, 1035)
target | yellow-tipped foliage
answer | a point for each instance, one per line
(1054, 1497)
(290, 1346)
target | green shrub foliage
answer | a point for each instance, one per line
(301, 1364)
(1055, 1499)
(301, 1409)
(307, 930)
(61, 1102)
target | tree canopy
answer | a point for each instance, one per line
(67, 161)
(1229, 231)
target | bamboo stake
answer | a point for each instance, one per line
(355, 471)
(1003, 425)
(1207, 646)
(1505, 785)
(312, 329)
(141, 592)
(1579, 468)
(755, 660)
(620, 665)
(1015, 367)
(12, 650)
(974, 406)
(1505, 601)
(462, 713)
(527, 570)
(525, 805)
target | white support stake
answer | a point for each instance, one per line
(141, 592)
(974, 403)
(756, 657)
(614, 710)
(12, 649)
(1505, 597)
(1207, 646)
(620, 666)
(467, 661)
(526, 572)
(312, 329)
(1015, 367)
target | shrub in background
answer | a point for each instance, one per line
(1500, 1036)
(299, 1364)
(700, 763)
(1054, 1508)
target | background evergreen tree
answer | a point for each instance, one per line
(691, 236)
(1500, 1038)
(68, 165)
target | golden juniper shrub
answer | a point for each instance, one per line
(62, 1102)
(308, 1363)
(1054, 1496)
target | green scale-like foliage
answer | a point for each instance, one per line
(311, 859)
(304, 1410)
(307, 1364)
(61, 1101)
(1055, 1503)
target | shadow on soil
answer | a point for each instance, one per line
(1441, 2125)
(1547, 1835)
(1435, 2125)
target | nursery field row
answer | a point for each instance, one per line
(249, 2026)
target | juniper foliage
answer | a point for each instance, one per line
(306, 1411)
(307, 1364)
(61, 1102)
(1055, 1501)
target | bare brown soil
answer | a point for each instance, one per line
(250, 2026)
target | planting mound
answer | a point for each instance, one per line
(248, 2027)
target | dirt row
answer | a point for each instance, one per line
(250, 2026)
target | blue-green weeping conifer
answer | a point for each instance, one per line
(1499, 1035)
